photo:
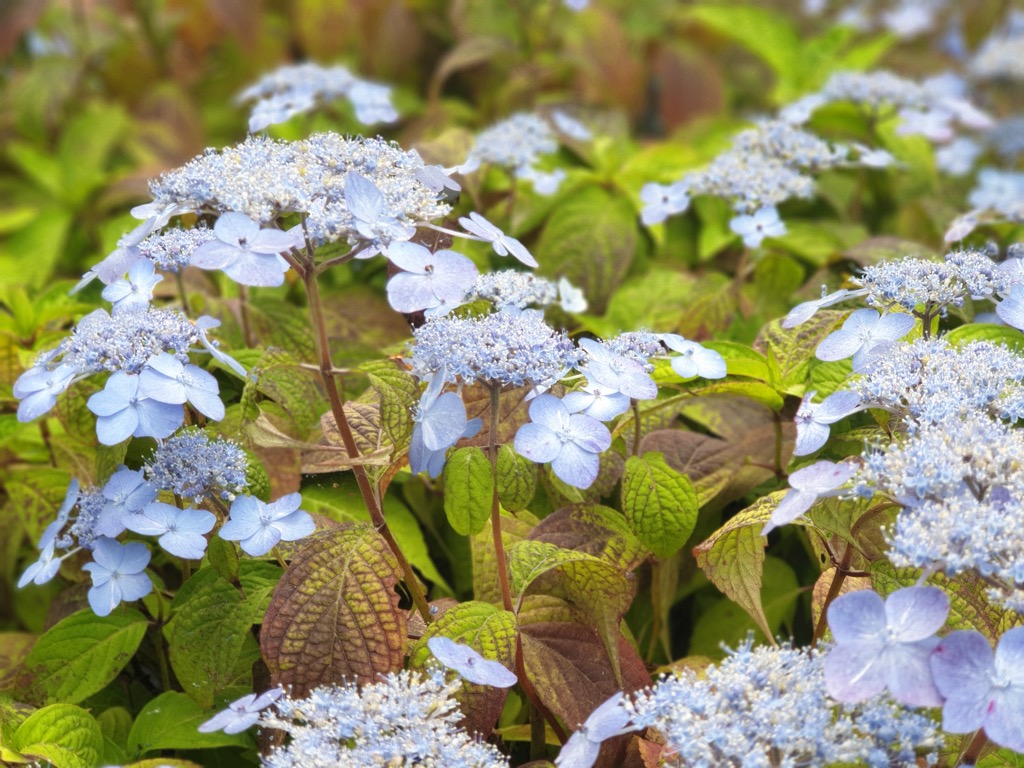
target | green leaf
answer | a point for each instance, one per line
(527, 560)
(343, 502)
(997, 334)
(594, 530)
(790, 351)
(85, 147)
(761, 31)
(491, 632)
(62, 734)
(210, 632)
(30, 255)
(591, 238)
(81, 654)
(39, 165)
(660, 504)
(517, 479)
(335, 614)
(733, 557)
(725, 623)
(398, 393)
(171, 720)
(468, 490)
(741, 360)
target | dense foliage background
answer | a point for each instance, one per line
(100, 97)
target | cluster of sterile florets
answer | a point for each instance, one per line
(519, 144)
(297, 88)
(765, 166)
(760, 707)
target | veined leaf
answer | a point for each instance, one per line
(468, 490)
(517, 479)
(733, 558)
(170, 721)
(334, 614)
(62, 734)
(80, 654)
(660, 503)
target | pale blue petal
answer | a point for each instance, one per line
(576, 466)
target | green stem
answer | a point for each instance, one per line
(180, 280)
(636, 428)
(243, 310)
(370, 498)
(499, 546)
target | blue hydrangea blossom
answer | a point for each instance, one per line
(259, 526)
(117, 574)
(570, 442)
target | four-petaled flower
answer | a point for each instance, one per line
(694, 359)
(661, 201)
(167, 380)
(469, 664)
(245, 253)
(117, 574)
(136, 290)
(865, 333)
(180, 530)
(608, 720)
(615, 372)
(38, 387)
(430, 280)
(503, 244)
(440, 421)
(242, 713)
(764, 222)
(982, 690)
(884, 644)
(127, 493)
(122, 412)
(571, 442)
(259, 526)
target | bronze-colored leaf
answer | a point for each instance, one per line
(572, 674)
(334, 615)
(364, 421)
(822, 586)
(595, 530)
(513, 412)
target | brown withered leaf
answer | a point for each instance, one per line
(334, 614)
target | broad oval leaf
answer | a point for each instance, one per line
(733, 557)
(61, 734)
(517, 479)
(170, 721)
(491, 632)
(468, 490)
(527, 560)
(660, 503)
(334, 614)
(79, 655)
(593, 529)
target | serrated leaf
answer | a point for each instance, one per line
(334, 614)
(342, 502)
(279, 323)
(276, 375)
(591, 238)
(468, 490)
(660, 504)
(491, 632)
(571, 671)
(726, 623)
(62, 734)
(79, 655)
(969, 606)
(791, 350)
(517, 479)
(171, 720)
(211, 620)
(398, 393)
(733, 557)
(595, 530)
(514, 527)
(527, 560)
